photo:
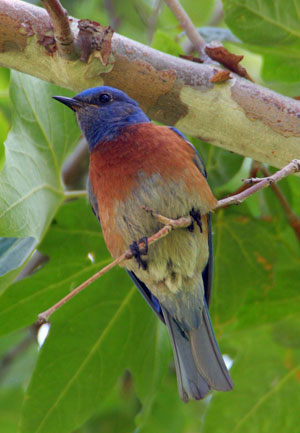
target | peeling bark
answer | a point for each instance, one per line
(237, 115)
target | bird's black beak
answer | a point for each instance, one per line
(69, 102)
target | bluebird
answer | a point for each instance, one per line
(135, 163)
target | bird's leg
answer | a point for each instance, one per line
(137, 253)
(144, 252)
(195, 214)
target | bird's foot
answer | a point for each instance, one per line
(137, 252)
(195, 214)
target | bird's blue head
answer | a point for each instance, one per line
(102, 112)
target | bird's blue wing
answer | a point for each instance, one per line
(151, 300)
(207, 274)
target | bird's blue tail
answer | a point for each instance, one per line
(198, 360)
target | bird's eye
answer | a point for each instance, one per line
(104, 98)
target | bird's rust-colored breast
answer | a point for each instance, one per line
(149, 148)
(146, 148)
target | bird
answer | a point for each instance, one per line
(135, 163)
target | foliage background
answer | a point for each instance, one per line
(106, 364)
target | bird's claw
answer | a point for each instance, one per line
(195, 214)
(137, 252)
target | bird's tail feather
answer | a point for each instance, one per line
(198, 361)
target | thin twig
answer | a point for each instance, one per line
(61, 28)
(218, 14)
(292, 167)
(189, 28)
(253, 180)
(292, 217)
(253, 172)
(169, 225)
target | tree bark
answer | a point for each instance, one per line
(236, 115)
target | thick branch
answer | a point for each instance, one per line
(237, 115)
(169, 225)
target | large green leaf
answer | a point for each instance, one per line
(43, 133)
(94, 337)
(11, 400)
(83, 356)
(270, 28)
(74, 234)
(4, 127)
(4, 111)
(149, 367)
(170, 415)
(266, 397)
(256, 274)
(265, 22)
(282, 68)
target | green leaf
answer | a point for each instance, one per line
(267, 387)
(4, 79)
(294, 184)
(278, 296)
(117, 411)
(170, 415)
(281, 68)
(270, 28)
(4, 111)
(149, 367)
(4, 127)
(11, 400)
(163, 42)
(106, 328)
(74, 234)
(43, 133)
(251, 285)
(77, 367)
(265, 22)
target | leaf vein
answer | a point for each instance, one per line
(91, 352)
